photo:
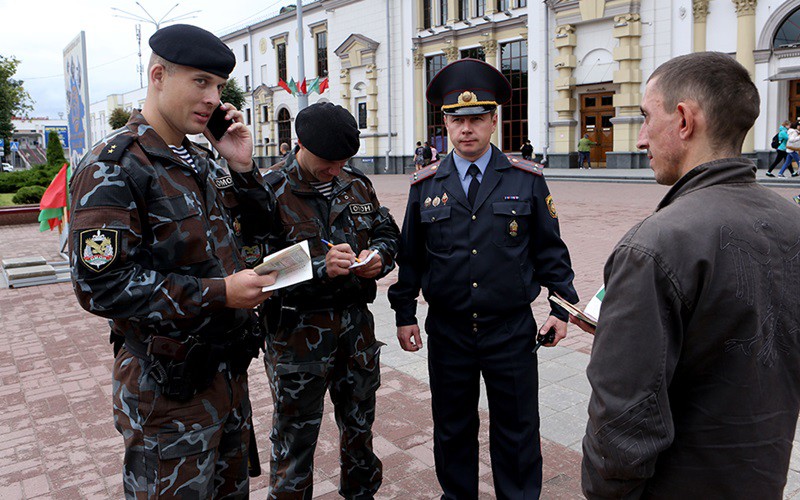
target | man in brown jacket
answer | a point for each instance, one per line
(695, 369)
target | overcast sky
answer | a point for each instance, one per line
(36, 32)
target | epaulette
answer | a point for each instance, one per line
(274, 177)
(355, 171)
(423, 174)
(526, 166)
(202, 148)
(116, 147)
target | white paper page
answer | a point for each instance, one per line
(293, 266)
(365, 261)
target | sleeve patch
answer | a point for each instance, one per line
(98, 248)
(551, 206)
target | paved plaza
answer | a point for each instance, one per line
(57, 438)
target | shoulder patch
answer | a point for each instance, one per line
(115, 148)
(526, 166)
(421, 175)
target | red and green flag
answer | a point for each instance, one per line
(323, 85)
(283, 85)
(54, 201)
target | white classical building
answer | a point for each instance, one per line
(576, 66)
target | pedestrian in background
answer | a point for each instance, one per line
(782, 137)
(419, 156)
(792, 150)
(695, 367)
(324, 339)
(157, 247)
(427, 153)
(585, 151)
(527, 150)
(480, 238)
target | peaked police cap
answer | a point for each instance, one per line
(468, 87)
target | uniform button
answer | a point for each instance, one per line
(433, 219)
(474, 217)
(474, 315)
(514, 212)
(474, 252)
(474, 285)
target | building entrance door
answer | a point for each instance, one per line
(794, 100)
(597, 110)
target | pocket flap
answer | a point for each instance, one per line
(315, 368)
(511, 208)
(365, 357)
(436, 214)
(173, 208)
(178, 444)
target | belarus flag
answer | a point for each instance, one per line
(54, 201)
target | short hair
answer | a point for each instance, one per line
(284, 147)
(719, 85)
(169, 67)
(419, 143)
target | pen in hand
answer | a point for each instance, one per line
(330, 245)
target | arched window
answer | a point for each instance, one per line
(284, 127)
(788, 35)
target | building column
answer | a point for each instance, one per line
(452, 11)
(699, 12)
(490, 51)
(344, 79)
(419, 99)
(564, 127)
(745, 47)
(372, 110)
(451, 53)
(628, 119)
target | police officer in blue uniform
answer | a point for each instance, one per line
(480, 238)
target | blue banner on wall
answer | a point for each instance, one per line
(61, 130)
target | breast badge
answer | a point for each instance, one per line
(427, 202)
(513, 228)
(551, 206)
(444, 199)
(98, 248)
(251, 254)
(436, 201)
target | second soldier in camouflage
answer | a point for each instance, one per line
(325, 338)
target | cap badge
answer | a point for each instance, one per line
(467, 97)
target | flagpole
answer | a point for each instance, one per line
(302, 98)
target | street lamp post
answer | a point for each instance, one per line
(150, 20)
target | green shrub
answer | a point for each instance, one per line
(29, 195)
(39, 175)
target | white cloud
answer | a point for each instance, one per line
(36, 32)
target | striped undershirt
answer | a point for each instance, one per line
(326, 188)
(181, 152)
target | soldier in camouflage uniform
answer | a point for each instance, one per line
(156, 247)
(325, 338)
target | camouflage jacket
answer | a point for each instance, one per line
(353, 215)
(153, 238)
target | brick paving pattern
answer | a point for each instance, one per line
(57, 438)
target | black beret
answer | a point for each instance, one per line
(328, 130)
(195, 47)
(468, 87)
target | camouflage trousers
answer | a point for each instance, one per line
(308, 355)
(189, 449)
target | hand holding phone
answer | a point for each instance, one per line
(217, 124)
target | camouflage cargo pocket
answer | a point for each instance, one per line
(366, 371)
(300, 388)
(188, 457)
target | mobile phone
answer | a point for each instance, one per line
(217, 124)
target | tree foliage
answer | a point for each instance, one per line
(118, 118)
(233, 94)
(55, 153)
(14, 100)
